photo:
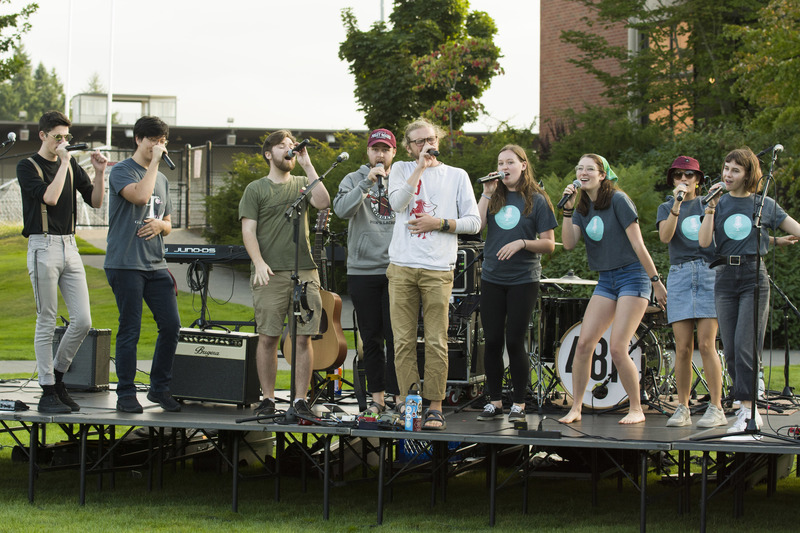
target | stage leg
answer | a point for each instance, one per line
(34, 445)
(704, 492)
(492, 483)
(84, 432)
(643, 492)
(381, 475)
(235, 505)
(326, 491)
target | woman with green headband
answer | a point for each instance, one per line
(608, 221)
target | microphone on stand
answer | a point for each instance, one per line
(12, 138)
(165, 158)
(713, 194)
(344, 156)
(566, 197)
(294, 151)
(79, 146)
(493, 176)
(773, 148)
(600, 390)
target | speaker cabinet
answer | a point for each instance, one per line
(89, 368)
(465, 348)
(216, 366)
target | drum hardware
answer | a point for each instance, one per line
(569, 279)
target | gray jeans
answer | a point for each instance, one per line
(735, 299)
(53, 264)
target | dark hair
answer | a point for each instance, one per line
(607, 190)
(526, 187)
(51, 119)
(275, 138)
(147, 127)
(744, 157)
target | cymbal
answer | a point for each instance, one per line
(569, 279)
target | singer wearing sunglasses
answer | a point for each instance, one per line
(690, 288)
(728, 224)
(520, 222)
(49, 181)
(609, 223)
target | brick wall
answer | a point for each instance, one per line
(563, 85)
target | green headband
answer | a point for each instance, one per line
(607, 169)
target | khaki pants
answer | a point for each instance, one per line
(407, 286)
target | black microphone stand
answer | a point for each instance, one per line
(294, 214)
(787, 392)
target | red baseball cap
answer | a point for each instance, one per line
(684, 162)
(382, 135)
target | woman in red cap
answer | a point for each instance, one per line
(690, 291)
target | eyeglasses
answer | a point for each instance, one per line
(158, 140)
(580, 169)
(422, 141)
(65, 137)
(688, 173)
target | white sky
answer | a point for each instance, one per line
(265, 63)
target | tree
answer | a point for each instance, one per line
(382, 60)
(12, 27)
(681, 69)
(29, 91)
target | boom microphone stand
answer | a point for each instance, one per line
(294, 214)
(787, 392)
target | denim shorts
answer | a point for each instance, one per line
(630, 280)
(690, 291)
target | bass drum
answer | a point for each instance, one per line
(604, 389)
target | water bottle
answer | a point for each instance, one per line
(337, 383)
(413, 409)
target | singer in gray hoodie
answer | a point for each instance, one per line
(363, 201)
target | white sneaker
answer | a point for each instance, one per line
(714, 416)
(742, 415)
(682, 417)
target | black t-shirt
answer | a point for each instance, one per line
(32, 188)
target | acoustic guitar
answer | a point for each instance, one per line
(329, 345)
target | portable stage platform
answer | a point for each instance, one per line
(598, 437)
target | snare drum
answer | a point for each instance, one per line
(604, 389)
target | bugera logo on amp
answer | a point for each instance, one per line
(199, 338)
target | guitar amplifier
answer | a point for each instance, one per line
(89, 368)
(465, 350)
(216, 366)
(467, 272)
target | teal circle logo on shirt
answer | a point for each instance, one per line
(738, 227)
(507, 217)
(690, 227)
(595, 228)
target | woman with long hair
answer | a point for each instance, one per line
(728, 224)
(520, 222)
(608, 221)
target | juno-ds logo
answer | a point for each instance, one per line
(210, 250)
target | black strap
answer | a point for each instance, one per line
(45, 227)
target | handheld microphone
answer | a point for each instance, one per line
(165, 158)
(493, 176)
(434, 152)
(566, 197)
(12, 138)
(344, 156)
(773, 148)
(79, 146)
(380, 178)
(713, 194)
(680, 195)
(294, 151)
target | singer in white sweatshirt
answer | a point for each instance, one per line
(433, 202)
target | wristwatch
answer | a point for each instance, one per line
(655, 278)
(445, 225)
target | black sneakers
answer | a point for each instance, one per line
(490, 412)
(128, 404)
(66, 399)
(301, 408)
(164, 399)
(265, 408)
(50, 403)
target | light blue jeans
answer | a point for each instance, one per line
(53, 264)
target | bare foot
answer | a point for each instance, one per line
(633, 417)
(572, 416)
